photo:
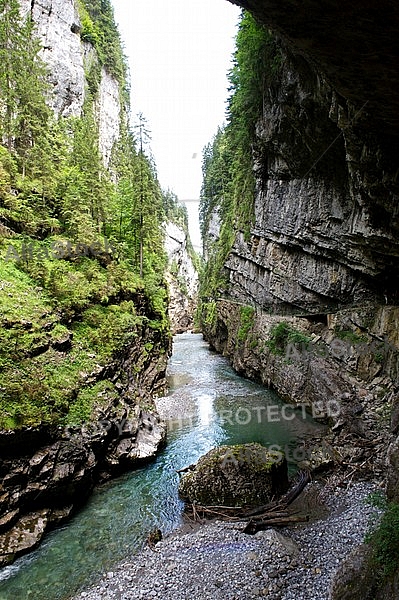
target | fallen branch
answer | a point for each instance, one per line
(254, 526)
(185, 469)
(273, 513)
(303, 479)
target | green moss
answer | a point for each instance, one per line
(283, 334)
(384, 542)
(37, 383)
(247, 314)
(80, 411)
(350, 336)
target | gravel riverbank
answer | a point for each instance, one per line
(218, 562)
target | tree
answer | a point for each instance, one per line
(23, 90)
(228, 187)
(11, 45)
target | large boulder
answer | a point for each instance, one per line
(244, 475)
(354, 578)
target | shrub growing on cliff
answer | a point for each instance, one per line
(384, 542)
(247, 314)
(282, 334)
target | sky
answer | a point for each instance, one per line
(179, 53)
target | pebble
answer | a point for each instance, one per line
(218, 562)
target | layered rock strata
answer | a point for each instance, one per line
(182, 278)
(48, 472)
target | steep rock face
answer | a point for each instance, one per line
(58, 27)
(182, 278)
(47, 472)
(108, 109)
(355, 45)
(332, 369)
(212, 233)
(326, 205)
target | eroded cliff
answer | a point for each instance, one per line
(322, 241)
(307, 297)
(182, 278)
(84, 336)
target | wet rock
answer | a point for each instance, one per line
(24, 536)
(182, 279)
(354, 578)
(244, 475)
(46, 475)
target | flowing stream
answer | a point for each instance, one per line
(208, 405)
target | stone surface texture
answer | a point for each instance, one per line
(182, 278)
(58, 28)
(245, 475)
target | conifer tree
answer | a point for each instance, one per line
(23, 88)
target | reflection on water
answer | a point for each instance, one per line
(208, 405)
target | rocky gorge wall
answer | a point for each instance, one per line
(323, 244)
(68, 58)
(310, 303)
(47, 471)
(182, 279)
(326, 203)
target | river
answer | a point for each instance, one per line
(208, 405)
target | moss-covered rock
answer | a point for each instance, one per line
(243, 475)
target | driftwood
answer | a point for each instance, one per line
(254, 526)
(185, 469)
(302, 480)
(275, 513)
(261, 517)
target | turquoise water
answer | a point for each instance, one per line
(209, 405)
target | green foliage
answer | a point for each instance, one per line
(384, 542)
(209, 312)
(278, 338)
(24, 115)
(228, 188)
(64, 318)
(283, 334)
(99, 29)
(247, 314)
(37, 383)
(81, 409)
(377, 499)
(350, 336)
(138, 210)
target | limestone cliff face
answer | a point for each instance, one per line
(108, 111)
(182, 278)
(354, 44)
(58, 28)
(48, 471)
(325, 233)
(324, 242)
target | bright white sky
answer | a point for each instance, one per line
(179, 53)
